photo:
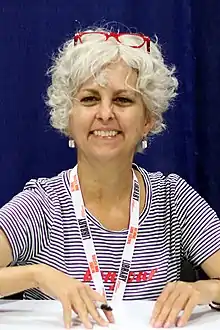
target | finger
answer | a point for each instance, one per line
(169, 288)
(188, 309)
(67, 314)
(94, 295)
(81, 310)
(110, 317)
(91, 307)
(166, 308)
(177, 307)
(73, 309)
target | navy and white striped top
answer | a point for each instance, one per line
(176, 223)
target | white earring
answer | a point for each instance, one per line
(144, 143)
(71, 144)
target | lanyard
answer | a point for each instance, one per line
(87, 240)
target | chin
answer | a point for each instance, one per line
(104, 155)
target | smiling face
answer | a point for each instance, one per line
(108, 117)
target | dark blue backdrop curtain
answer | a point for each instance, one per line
(188, 31)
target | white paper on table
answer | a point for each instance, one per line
(129, 315)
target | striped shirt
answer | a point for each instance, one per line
(176, 223)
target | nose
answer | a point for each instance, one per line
(105, 111)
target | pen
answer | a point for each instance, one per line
(104, 307)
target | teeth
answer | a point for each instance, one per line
(105, 133)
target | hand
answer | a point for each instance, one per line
(181, 296)
(73, 295)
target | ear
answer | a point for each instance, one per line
(68, 129)
(149, 123)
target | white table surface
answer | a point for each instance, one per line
(47, 314)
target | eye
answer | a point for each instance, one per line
(123, 100)
(89, 100)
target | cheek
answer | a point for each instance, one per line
(73, 123)
(131, 121)
(138, 122)
(139, 128)
(79, 124)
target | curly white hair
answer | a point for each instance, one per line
(75, 63)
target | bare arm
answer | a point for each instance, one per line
(72, 294)
(16, 279)
(211, 267)
(5, 251)
(184, 296)
(13, 279)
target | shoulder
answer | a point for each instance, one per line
(48, 186)
(170, 187)
(159, 179)
(38, 194)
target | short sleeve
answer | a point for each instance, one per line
(199, 224)
(23, 222)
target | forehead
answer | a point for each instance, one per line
(115, 76)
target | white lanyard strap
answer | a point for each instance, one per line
(88, 243)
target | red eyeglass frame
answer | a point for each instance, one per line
(115, 35)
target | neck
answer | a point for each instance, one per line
(107, 184)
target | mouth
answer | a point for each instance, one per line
(105, 134)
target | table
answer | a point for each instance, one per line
(129, 315)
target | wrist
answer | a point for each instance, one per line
(210, 290)
(35, 271)
(216, 290)
(17, 279)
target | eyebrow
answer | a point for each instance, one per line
(119, 91)
(129, 91)
(90, 90)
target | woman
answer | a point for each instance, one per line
(108, 224)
